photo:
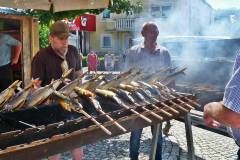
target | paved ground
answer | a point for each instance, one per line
(208, 145)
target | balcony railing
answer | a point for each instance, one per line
(124, 24)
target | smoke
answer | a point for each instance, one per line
(198, 40)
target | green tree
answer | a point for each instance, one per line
(47, 17)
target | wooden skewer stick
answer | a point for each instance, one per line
(97, 106)
(69, 106)
(189, 100)
(152, 113)
(178, 106)
(110, 94)
(172, 109)
(149, 111)
(163, 104)
(112, 120)
(165, 112)
(192, 102)
(163, 89)
(138, 114)
(184, 103)
(94, 120)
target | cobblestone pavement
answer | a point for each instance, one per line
(207, 145)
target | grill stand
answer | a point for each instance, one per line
(156, 129)
(189, 137)
(188, 129)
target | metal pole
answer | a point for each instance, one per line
(156, 130)
(189, 137)
(190, 17)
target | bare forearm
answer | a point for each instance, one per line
(78, 73)
(16, 54)
(220, 113)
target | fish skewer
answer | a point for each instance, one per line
(19, 123)
(136, 74)
(106, 115)
(6, 94)
(127, 88)
(41, 94)
(141, 97)
(126, 94)
(170, 101)
(94, 120)
(189, 100)
(72, 105)
(173, 75)
(132, 89)
(68, 88)
(140, 85)
(177, 105)
(167, 92)
(18, 100)
(163, 104)
(116, 81)
(130, 99)
(97, 106)
(92, 84)
(112, 95)
(155, 76)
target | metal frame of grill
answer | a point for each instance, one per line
(80, 127)
(68, 135)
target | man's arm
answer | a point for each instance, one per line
(78, 69)
(15, 56)
(38, 67)
(78, 73)
(216, 112)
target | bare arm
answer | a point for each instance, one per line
(16, 54)
(216, 112)
(78, 73)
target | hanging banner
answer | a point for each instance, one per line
(86, 22)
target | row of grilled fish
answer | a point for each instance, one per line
(130, 87)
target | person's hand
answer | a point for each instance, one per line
(208, 120)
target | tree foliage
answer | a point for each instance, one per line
(47, 17)
(115, 6)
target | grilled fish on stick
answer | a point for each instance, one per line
(68, 88)
(112, 95)
(42, 93)
(98, 107)
(73, 105)
(18, 100)
(6, 94)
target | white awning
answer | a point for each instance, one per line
(58, 5)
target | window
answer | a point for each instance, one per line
(160, 11)
(106, 41)
(156, 11)
(106, 14)
(166, 11)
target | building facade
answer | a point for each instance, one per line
(116, 32)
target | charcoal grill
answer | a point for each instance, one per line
(56, 130)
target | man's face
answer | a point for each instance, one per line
(150, 34)
(60, 44)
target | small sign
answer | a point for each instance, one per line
(86, 22)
